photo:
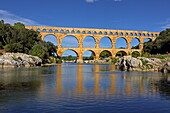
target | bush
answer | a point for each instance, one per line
(135, 54)
(146, 55)
(114, 60)
(144, 62)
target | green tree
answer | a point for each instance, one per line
(160, 45)
(135, 54)
(18, 39)
(105, 54)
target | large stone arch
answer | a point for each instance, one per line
(91, 52)
(110, 52)
(73, 43)
(120, 42)
(150, 39)
(121, 53)
(135, 54)
(85, 38)
(76, 52)
(74, 58)
(51, 38)
(107, 43)
(133, 41)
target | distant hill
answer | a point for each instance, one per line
(160, 46)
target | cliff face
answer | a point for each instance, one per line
(19, 60)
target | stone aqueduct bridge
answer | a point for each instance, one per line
(97, 34)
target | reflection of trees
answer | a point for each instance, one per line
(20, 85)
(20, 78)
(163, 85)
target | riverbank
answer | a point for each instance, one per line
(143, 64)
(19, 60)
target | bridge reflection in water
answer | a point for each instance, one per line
(98, 80)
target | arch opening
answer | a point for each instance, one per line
(121, 53)
(89, 55)
(78, 32)
(95, 32)
(105, 42)
(89, 32)
(135, 54)
(100, 33)
(83, 32)
(110, 33)
(121, 43)
(147, 40)
(51, 38)
(61, 31)
(69, 56)
(134, 44)
(67, 31)
(89, 41)
(131, 34)
(38, 30)
(116, 33)
(56, 31)
(70, 41)
(44, 30)
(105, 54)
(50, 31)
(105, 33)
(121, 34)
(126, 34)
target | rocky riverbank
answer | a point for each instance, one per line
(19, 60)
(129, 63)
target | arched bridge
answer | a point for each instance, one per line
(97, 34)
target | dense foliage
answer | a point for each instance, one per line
(160, 45)
(17, 38)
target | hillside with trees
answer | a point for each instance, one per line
(160, 46)
(17, 38)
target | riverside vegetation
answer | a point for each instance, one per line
(155, 54)
(18, 39)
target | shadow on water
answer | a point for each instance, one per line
(21, 78)
(163, 85)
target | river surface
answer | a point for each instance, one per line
(83, 88)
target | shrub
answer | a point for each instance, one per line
(114, 60)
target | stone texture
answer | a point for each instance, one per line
(19, 60)
(128, 63)
(166, 67)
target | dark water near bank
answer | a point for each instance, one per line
(82, 89)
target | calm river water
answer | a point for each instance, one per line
(82, 89)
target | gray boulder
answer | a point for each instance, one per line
(19, 60)
(129, 63)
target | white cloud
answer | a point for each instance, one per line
(12, 18)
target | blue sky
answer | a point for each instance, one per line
(147, 15)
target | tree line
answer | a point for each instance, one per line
(160, 46)
(16, 38)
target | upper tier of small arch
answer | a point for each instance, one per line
(93, 31)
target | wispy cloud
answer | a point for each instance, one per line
(166, 24)
(12, 18)
(92, 1)
(117, 0)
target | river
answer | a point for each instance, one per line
(86, 88)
